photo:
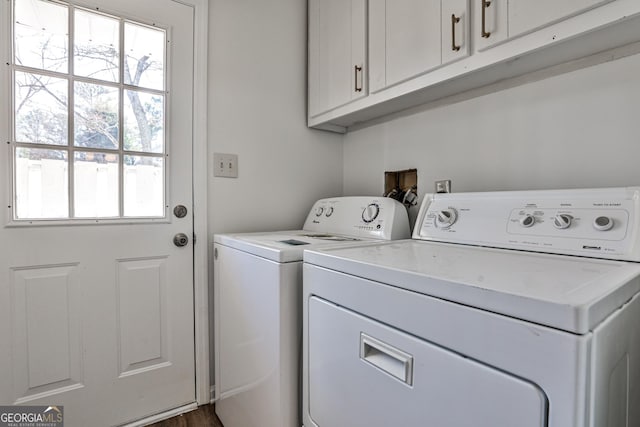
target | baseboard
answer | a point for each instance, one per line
(163, 416)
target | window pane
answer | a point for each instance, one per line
(41, 109)
(143, 122)
(144, 61)
(41, 183)
(143, 186)
(96, 116)
(96, 46)
(41, 35)
(95, 181)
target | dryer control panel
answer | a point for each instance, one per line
(361, 217)
(601, 223)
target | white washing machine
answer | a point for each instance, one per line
(257, 305)
(506, 309)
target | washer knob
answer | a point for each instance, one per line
(446, 218)
(603, 223)
(527, 220)
(329, 211)
(562, 221)
(319, 210)
(370, 212)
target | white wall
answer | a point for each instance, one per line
(257, 109)
(577, 129)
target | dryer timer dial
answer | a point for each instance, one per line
(446, 218)
(562, 221)
(371, 212)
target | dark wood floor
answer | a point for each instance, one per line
(201, 417)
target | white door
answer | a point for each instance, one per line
(96, 300)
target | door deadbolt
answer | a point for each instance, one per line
(180, 211)
(180, 240)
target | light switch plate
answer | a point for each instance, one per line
(225, 165)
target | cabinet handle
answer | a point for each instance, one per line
(454, 21)
(485, 5)
(357, 70)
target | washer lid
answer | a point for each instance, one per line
(564, 292)
(282, 246)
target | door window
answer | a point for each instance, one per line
(89, 114)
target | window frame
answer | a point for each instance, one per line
(9, 48)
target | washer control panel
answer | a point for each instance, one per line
(601, 223)
(359, 217)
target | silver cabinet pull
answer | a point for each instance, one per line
(454, 21)
(485, 5)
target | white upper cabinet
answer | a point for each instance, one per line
(410, 37)
(337, 66)
(424, 50)
(500, 20)
(527, 15)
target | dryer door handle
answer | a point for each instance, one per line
(387, 358)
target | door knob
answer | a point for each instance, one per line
(180, 240)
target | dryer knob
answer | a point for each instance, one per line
(603, 223)
(370, 212)
(319, 210)
(446, 218)
(329, 211)
(527, 220)
(562, 221)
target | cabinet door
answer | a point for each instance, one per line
(404, 41)
(412, 38)
(336, 53)
(490, 22)
(455, 30)
(527, 15)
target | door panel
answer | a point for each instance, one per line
(46, 331)
(100, 317)
(142, 294)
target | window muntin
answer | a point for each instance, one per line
(88, 128)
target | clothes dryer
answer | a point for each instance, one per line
(505, 309)
(257, 305)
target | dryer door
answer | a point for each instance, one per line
(363, 373)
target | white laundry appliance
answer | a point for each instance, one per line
(258, 305)
(506, 309)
